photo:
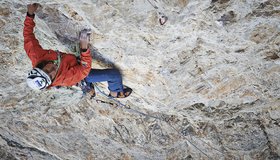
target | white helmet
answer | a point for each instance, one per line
(37, 79)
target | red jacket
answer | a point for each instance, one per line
(70, 71)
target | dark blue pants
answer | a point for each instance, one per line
(112, 76)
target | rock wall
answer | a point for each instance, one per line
(206, 83)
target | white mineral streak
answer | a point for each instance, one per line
(210, 73)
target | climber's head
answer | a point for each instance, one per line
(38, 80)
(41, 77)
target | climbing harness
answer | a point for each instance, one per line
(57, 62)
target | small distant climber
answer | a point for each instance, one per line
(54, 68)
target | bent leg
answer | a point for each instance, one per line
(112, 76)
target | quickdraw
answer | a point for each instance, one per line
(110, 103)
(162, 18)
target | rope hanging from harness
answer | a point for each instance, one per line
(129, 109)
(57, 62)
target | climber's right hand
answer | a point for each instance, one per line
(31, 8)
(84, 39)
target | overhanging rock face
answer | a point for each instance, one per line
(205, 76)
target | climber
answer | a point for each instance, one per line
(54, 68)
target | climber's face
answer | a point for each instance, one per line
(50, 69)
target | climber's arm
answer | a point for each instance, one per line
(80, 71)
(31, 44)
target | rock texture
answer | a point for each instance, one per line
(207, 81)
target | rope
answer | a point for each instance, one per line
(123, 105)
(154, 6)
(147, 115)
(57, 62)
(189, 141)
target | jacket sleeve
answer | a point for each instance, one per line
(31, 44)
(81, 70)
